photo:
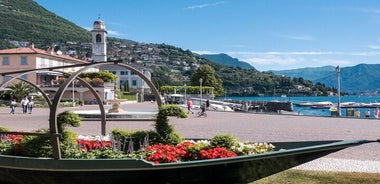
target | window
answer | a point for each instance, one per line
(5, 60)
(122, 73)
(133, 73)
(134, 82)
(24, 60)
(25, 76)
(98, 38)
(6, 78)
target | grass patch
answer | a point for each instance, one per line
(319, 177)
(129, 97)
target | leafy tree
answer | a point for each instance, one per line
(207, 74)
(19, 90)
(106, 76)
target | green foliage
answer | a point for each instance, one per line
(19, 90)
(38, 25)
(227, 60)
(67, 118)
(207, 74)
(189, 89)
(165, 131)
(37, 146)
(226, 141)
(4, 129)
(106, 76)
(196, 149)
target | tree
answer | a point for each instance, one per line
(207, 73)
(19, 90)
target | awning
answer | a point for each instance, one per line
(49, 73)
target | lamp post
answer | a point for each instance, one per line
(338, 78)
(73, 95)
(200, 84)
(185, 92)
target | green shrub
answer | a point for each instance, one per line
(4, 129)
(165, 131)
(225, 141)
(67, 118)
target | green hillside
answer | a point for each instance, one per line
(27, 21)
(225, 59)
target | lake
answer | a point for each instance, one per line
(317, 112)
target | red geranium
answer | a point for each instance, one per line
(217, 153)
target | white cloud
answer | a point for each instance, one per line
(374, 46)
(298, 37)
(204, 52)
(114, 33)
(205, 5)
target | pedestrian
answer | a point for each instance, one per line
(24, 104)
(13, 106)
(376, 113)
(207, 104)
(189, 106)
(30, 106)
(367, 113)
(357, 113)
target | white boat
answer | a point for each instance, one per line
(217, 107)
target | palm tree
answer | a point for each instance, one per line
(19, 90)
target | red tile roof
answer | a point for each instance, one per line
(30, 50)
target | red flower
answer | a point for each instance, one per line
(217, 153)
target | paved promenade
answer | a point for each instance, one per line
(245, 126)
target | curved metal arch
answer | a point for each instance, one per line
(62, 88)
(19, 77)
(47, 99)
(93, 91)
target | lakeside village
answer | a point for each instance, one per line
(314, 106)
(30, 58)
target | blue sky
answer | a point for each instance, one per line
(268, 34)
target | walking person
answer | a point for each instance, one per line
(367, 113)
(376, 113)
(24, 104)
(357, 113)
(30, 106)
(13, 106)
(207, 104)
(189, 106)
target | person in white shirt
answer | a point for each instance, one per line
(24, 104)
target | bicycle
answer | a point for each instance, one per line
(200, 114)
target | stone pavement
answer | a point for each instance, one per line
(244, 126)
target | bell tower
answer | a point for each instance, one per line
(99, 37)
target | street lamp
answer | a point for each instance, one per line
(200, 84)
(338, 77)
(73, 95)
(185, 92)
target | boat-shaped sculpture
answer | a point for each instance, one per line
(240, 169)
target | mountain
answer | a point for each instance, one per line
(358, 78)
(26, 20)
(355, 79)
(309, 73)
(225, 59)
